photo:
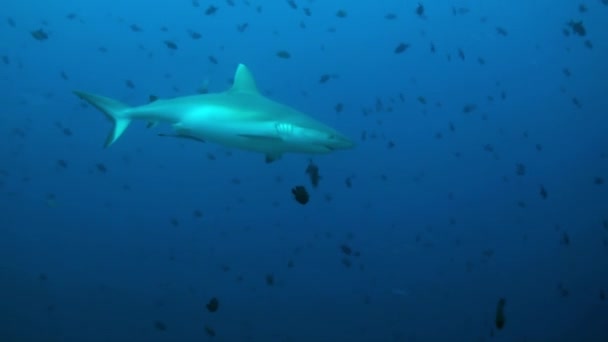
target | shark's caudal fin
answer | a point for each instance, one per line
(114, 110)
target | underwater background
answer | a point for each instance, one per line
(474, 206)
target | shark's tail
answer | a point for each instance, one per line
(116, 111)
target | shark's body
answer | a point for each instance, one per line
(240, 117)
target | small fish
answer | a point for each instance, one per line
(341, 14)
(40, 35)
(283, 54)
(390, 16)
(170, 44)
(502, 31)
(213, 304)
(420, 10)
(339, 107)
(500, 319)
(135, 28)
(194, 35)
(578, 28)
(242, 27)
(402, 47)
(211, 10)
(469, 108)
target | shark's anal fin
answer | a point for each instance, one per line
(272, 157)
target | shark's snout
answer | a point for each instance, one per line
(339, 142)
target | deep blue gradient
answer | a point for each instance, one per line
(449, 210)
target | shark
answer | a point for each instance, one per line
(240, 117)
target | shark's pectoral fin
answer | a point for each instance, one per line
(265, 138)
(272, 157)
(151, 124)
(181, 137)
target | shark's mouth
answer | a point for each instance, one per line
(327, 147)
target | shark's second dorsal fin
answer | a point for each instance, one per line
(244, 81)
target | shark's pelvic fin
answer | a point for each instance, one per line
(272, 157)
(244, 81)
(116, 111)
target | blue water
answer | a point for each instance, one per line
(480, 174)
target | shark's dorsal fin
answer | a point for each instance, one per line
(244, 81)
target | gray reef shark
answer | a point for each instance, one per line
(240, 117)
